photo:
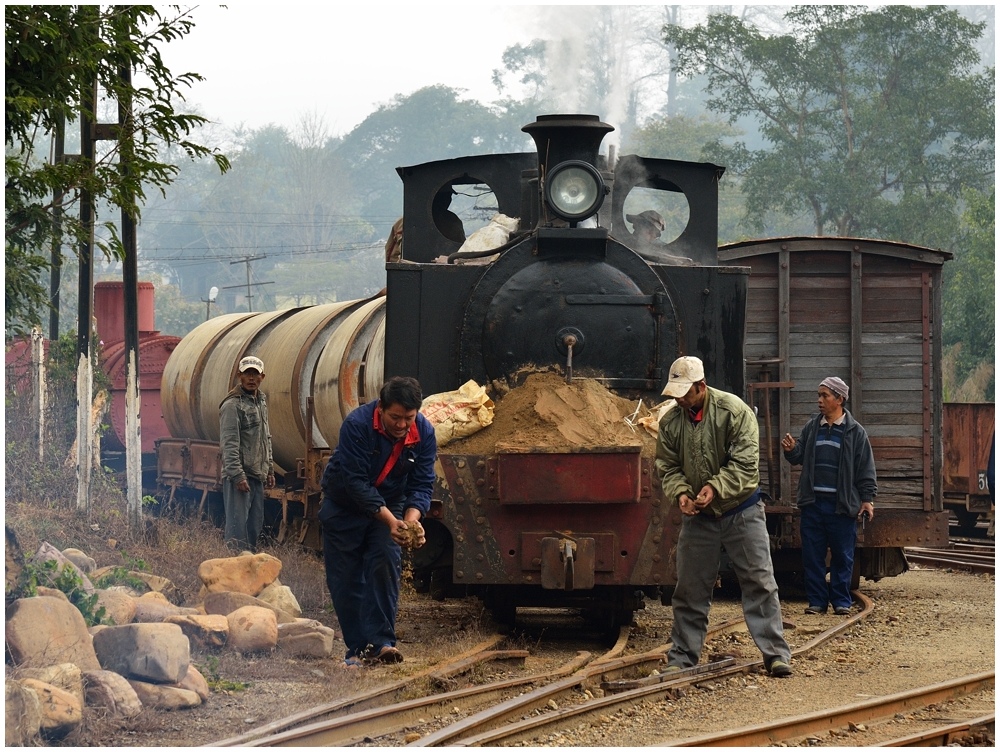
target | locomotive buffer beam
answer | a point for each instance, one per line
(568, 563)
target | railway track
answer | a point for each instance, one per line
(972, 557)
(859, 715)
(516, 710)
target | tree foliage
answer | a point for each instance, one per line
(54, 55)
(688, 138)
(874, 120)
(429, 124)
(970, 292)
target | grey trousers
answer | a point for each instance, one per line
(743, 535)
(244, 514)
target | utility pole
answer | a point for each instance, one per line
(130, 286)
(247, 261)
(84, 368)
(212, 294)
(55, 270)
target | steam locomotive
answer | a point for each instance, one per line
(578, 289)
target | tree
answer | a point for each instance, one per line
(429, 124)
(54, 54)
(969, 298)
(874, 121)
(688, 138)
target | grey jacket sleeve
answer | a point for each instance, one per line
(229, 441)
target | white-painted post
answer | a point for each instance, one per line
(84, 431)
(38, 379)
(133, 444)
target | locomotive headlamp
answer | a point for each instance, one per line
(574, 190)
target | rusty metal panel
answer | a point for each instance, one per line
(967, 430)
(586, 477)
(497, 543)
(170, 461)
(892, 528)
(205, 469)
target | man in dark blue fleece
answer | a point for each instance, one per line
(837, 485)
(376, 487)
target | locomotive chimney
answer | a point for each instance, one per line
(571, 186)
(560, 138)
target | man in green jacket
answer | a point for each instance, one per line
(247, 464)
(707, 456)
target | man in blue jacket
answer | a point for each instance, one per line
(837, 485)
(376, 487)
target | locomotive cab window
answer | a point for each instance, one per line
(459, 209)
(655, 215)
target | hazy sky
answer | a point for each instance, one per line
(274, 63)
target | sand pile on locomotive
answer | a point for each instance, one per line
(544, 412)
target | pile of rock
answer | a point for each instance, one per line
(141, 656)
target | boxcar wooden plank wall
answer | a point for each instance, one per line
(868, 312)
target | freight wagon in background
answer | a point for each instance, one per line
(968, 436)
(868, 311)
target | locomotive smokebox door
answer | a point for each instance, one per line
(568, 564)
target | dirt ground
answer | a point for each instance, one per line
(928, 626)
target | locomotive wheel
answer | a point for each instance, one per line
(966, 521)
(609, 621)
(502, 608)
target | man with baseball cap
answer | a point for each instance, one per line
(708, 456)
(247, 462)
(837, 485)
(647, 226)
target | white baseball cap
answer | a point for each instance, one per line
(684, 372)
(251, 362)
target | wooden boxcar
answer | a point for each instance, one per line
(967, 433)
(868, 311)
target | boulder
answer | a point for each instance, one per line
(49, 592)
(61, 711)
(164, 696)
(83, 562)
(65, 676)
(43, 631)
(207, 631)
(225, 603)
(22, 714)
(239, 574)
(119, 608)
(161, 585)
(48, 552)
(112, 693)
(195, 682)
(252, 629)
(281, 597)
(153, 607)
(147, 652)
(306, 637)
